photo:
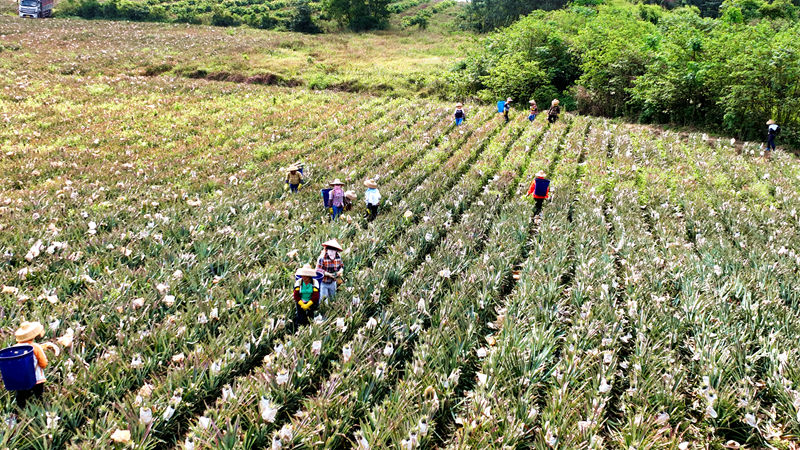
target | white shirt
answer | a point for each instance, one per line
(773, 127)
(372, 196)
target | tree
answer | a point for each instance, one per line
(359, 15)
(301, 20)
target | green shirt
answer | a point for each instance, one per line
(305, 291)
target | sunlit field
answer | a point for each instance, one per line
(144, 222)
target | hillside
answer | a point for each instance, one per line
(144, 221)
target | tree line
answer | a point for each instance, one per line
(650, 64)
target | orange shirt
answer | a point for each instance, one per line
(41, 360)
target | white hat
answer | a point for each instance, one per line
(306, 271)
(459, 105)
(541, 174)
(334, 244)
(509, 100)
(770, 122)
(555, 101)
(351, 195)
(337, 182)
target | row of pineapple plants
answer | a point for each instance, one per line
(376, 285)
(369, 242)
(367, 377)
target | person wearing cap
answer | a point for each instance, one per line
(336, 196)
(306, 295)
(459, 114)
(25, 335)
(293, 177)
(330, 267)
(507, 108)
(554, 111)
(540, 189)
(534, 110)
(772, 131)
(349, 198)
(373, 199)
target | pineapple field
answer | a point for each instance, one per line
(144, 222)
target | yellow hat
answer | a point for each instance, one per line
(306, 271)
(28, 331)
(293, 168)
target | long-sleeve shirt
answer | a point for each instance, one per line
(294, 177)
(39, 360)
(337, 197)
(554, 110)
(532, 190)
(772, 130)
(372, 196)
(459, 113)
(325, 264)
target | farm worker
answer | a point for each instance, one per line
(460, 116)
(306, 295)
(330, 267)
(540, 189)
(27, 332)
(554, 111)
(772, 130)
(534, 111)
(373, 199)
(336, 197)
(293, 177)
(507, 108)
(349, 198)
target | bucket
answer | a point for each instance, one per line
(501, 105)
(16, 367)
(540, 190)
(326, 197)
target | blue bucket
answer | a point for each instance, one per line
(17, 367)
(326, 199)
(501, 105)
(540, 190)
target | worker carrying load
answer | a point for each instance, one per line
(306, 295)
(554, 111)
(23, 365)
(336, 198)
(459, 114)
(772, 131)
(534, 110)
(373, 199)
(349, 198)
(540, 189)
(506, 108)
(331, 268)
(294, 177)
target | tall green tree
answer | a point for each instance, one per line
(359, 15)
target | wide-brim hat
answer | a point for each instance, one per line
(541, 174)
(371, 184)
(509, 100)
(337, 182)
(293, 168)
(459, 104)
(28, 331)
(770, 122)
(532, 102)
(306, 271)
(334, 244)
(351, 195)
(555, 101)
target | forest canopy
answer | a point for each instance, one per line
(646, 63)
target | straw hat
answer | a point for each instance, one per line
(555, 101)
(770, 122)
(306, 271)
(292, 168)
(371, 184)
(28, 331)
(351, 195)
(459, 105)
(541, 174)
(337, 182)
(334, 244)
